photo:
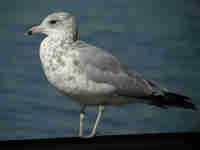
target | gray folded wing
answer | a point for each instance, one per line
(102, 67)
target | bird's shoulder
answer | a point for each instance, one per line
(95, 57)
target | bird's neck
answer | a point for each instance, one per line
(65, 37)
(62, 38)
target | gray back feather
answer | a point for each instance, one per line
(102, 67)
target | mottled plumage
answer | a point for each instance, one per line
(91, 75)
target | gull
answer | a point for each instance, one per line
(91, 75)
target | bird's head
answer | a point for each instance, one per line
(56, 24)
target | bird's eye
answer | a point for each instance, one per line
(53, 21)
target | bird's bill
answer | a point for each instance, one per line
(34, 29)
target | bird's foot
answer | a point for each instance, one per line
(89, 136)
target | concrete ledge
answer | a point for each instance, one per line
(187, 140)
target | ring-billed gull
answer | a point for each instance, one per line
(91, 75)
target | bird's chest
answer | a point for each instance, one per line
(67, 74)
(61, 68)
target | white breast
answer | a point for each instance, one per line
(65, 75)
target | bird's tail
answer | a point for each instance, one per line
(175, 100)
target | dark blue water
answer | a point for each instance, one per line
(158, 39)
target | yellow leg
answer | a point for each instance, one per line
(101, 109)
(82, 115)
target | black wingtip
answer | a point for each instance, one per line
(177, 100)
(178, 95)
(189, 105)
